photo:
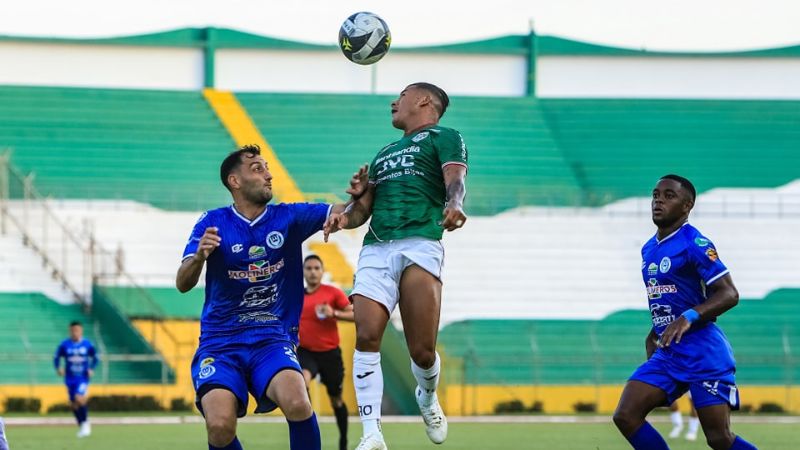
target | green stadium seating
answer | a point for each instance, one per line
(37, 325)
(159, 147)
(322, 139)
(167, 303)
(764, 335)
(619, 147)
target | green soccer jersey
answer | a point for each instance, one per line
(409, 185)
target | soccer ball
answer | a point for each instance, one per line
(364, 38)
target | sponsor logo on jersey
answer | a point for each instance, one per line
(701, 242)
(712, 254)
(259, 296)
(655, 290)
(652, 269)
(275, 240)
(662, 314)
(420, 136)
(206, 361)
(665, 265)
(401, 158)
(257, 316)
(236, 248)
(256, 251)
(257, 271)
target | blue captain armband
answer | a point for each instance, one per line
(691, 315)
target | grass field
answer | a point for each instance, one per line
(399, 436)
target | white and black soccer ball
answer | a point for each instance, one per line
(364, 38)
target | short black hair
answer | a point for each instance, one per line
(439, 93)
(685, 183)
(310, 257)
(75, 323)
(234, 160)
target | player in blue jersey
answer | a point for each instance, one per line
(254, 295)
(80, 359)
(687, 288)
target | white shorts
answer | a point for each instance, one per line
(380, 266)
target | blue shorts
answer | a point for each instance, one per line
(241, 368)
(78, 386)
(719, 390)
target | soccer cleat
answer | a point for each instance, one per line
(691, 436)
(435, 421)
(676, 431)
(372, 441)
(84, 430)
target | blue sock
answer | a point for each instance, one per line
(647, 438)
(741, 444)
(84, 413)
(80, 414)
(234, 445)
(304, 435)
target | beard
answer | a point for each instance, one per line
(258, 196)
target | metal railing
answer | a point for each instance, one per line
(73, 258)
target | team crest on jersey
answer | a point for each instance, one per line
(206, 361)
(206, 371)
(652, 269)
(420, 136)
(665, 265)
(275, 240)
(712, 254)
(256, 251)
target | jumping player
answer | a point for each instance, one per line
(688, 287)
(254, 294)
(416, 191)
(80, 359)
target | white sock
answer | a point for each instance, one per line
(694, 424)
(676, 418)
(368, 381)
(427, 379)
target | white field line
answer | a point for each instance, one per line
(164, 420)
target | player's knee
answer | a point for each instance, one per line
(368, 341)
(221, 430)
(423, 357)
(719, 439)
(296, 408)
(626, 422)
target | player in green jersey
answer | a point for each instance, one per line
(416, 191)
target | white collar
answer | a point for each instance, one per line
(249, 222)
(671, 234)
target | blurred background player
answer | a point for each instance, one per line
(687, 288)
(80, 359)
(319, 351)
(677, 420)
(402, 258)
(3, 438)
(254, 296)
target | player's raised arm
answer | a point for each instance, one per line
(356, 212)
(189, 272)
(453, 216)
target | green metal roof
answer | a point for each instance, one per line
(502, 45)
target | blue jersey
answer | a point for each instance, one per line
(79, 357)
(254, 279)
(676, 272)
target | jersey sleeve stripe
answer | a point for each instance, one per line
(185, 257)
(717, 277)
(458, 163)
(330, 208)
